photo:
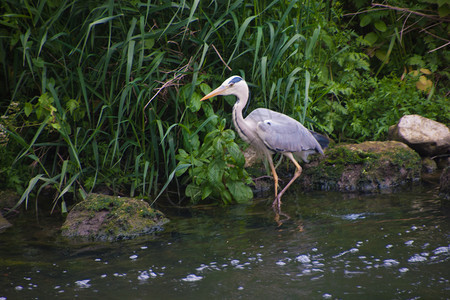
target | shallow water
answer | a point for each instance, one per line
(334, 246)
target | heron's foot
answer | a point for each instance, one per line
(281, 217)
(276, 205)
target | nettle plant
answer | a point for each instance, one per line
(208, 152)
(216, 167)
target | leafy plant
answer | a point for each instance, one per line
(216, 168)
(108, 92)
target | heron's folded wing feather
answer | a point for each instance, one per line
(286, 135)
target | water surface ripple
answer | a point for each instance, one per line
(334, 246)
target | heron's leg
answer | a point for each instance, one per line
(274, 173)
(297, 173)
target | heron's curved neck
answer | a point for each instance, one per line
(238, 119)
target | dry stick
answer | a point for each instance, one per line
(408, 10)
(403, 26)
(221, 58)
(364, 11)
(178, 75)
(442, 46)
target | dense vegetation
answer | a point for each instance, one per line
(105, 94)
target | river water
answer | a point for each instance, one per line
(333, 246)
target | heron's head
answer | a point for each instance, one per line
(234, 85)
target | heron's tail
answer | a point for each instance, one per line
(321, 139)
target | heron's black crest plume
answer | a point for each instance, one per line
(235, 80)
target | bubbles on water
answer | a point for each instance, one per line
(211, 266)
(143, 276)
(281, 263)
(441, 250)
(32, 286)
(327, 296)
(403, 270)
(237, 265)
(390, 262)
(83, 284)
(18, 288)
(304, 259)
(192, 278)
(409, 243)
(417, 258)
(202, 267)
(133, 257)
(357, 216)
(352, 250)
(353, 217)
(425, 245)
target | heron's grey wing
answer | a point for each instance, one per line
(282, 133)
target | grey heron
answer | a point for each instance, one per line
(269, 131)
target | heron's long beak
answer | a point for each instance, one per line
(216, 92)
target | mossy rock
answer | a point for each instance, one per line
(365, 167)
(111, 218)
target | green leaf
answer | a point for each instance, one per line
(63, 207)
(72, 105)
(371, 38)
(195, 103)
(181, 170)
(206, 89)
(149, 43)
(228, 135)
(365, 21)
(444, 10)
(380, 25)
(193, 192)
(57, 126)
(38, 62)
(381, 54)
(28, 109)
(40, 112)
(226, 196)
(216, 170)
(240, 192)
(206, 191)
(236, 154)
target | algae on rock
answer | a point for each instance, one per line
(111, 218)
(365, 167)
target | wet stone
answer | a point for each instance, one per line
(366, 167)
(110, 218)
(4, 223)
